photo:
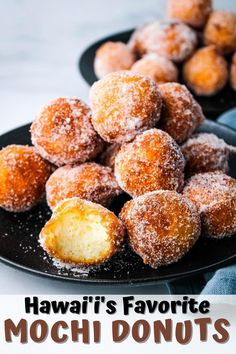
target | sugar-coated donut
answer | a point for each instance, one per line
(123, 105)
(206, 71)
(89, 181)
(162, 226)
(152, 161)
(112, 56)
(214, 194)
(191, 12)
(174, 40)
(205, 153)
(63, 133)
(220, 31)
(157, 67)
(233, 72)
(181, 114)
(107, 158)
(23, 175)
(82, 233)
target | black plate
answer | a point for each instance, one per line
(212, 106)
(19, 239)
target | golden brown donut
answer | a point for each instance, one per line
(214, 194)
(89, 181)
(206, 71)
(162, 226)
(107, 158)
(174, 40)
(23, 175)
(205, 153)
(220, 31)
(82, 233)
(112, 56)
(157, 67)
(123, 105)
(63, 133)
(191, 12)
(150, 162)
(233, 72)
(181, 114)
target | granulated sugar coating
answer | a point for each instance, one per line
(191, 12)
(205, 153)
(89, 181)
(152, 161)
(162, 226)
(63, 133)
(174, 40)
(112, 56)
(157, 67)
(124, 104)
(181, 114)
(23, 175)
(214, 194)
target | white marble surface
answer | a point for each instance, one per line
(40, 42)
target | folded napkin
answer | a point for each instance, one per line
(223, 281)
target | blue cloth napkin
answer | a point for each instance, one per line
(223, 281)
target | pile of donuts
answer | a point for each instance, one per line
(137, 138)
(195, 45)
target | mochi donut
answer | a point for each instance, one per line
(89, 181)
(214, 194)
(152, 161)
(23, 175)
(206, 72)
(171, 39)
(192, 12)
(63, 133)
(112, 56)
(82, 233)
(162, 226)
(206, 152)
(220, 30)
(124, 104)
(181, 114)
(157, 67)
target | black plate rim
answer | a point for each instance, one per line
(136, 281)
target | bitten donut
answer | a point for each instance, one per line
(220, 31)
(162, 226)
(123, 105)
(112, 56)
(108, 156)
(174, 40)
(206, 72)
(233, 72)
(181, 114)
(23, 175)
(82, 233)
(63, 133)
(152, 161)
(214, 194)
(89, 181)
(205, 153)
(191, 12)
(157, 67)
